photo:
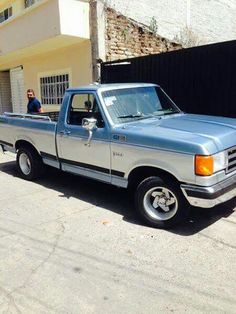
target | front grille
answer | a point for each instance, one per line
(231, 159)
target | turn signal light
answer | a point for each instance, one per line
(204, 165)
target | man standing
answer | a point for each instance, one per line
(34, 105)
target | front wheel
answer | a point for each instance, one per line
(29, 163)
(160, 203)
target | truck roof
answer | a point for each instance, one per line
(95, 86)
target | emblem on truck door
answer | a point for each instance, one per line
(118, 137)
(117, 154)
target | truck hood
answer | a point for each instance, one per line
(186, 133)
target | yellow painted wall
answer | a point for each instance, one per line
(41, 22)
(17, 5)
(60, 47)
(75, 58)
(37, 24)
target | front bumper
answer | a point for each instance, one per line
(210, 196)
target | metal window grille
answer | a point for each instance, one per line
(6, 14)
(28, 3)
(53, 89)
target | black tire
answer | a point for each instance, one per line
(29, 163)
(160, 203)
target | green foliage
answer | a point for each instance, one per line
(187, 38)
(153, 25)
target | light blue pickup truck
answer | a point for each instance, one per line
(132, 136)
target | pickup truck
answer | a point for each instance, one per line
(132, 136)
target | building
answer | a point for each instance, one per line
(44, 45)
(49, 45)
(192, 22)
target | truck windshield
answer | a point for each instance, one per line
(129, 104)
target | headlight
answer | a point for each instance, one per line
(207, 165)
(220, 161)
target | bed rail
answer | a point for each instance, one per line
(27, 116)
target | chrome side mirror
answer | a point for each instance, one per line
(90, 124)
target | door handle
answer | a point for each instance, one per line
(65, 132)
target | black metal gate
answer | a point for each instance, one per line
(200, 79)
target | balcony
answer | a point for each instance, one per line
(42, 27)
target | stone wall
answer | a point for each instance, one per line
(125, 38)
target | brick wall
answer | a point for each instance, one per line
(125, 38)
(210, 20)
(5, 92)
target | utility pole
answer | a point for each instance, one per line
(97, 36)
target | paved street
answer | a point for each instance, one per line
(71, 245)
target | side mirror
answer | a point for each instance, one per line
(90, 124)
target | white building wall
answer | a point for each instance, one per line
(211, 20)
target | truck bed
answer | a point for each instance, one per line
(53, 115)
(38, 129)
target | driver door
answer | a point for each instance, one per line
(75, 154)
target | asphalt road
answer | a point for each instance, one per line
(71, 245)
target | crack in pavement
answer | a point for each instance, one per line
(19, 232)
(68, 215)
(230, 221)
(11, 301)
(218, 241)
(9, 295)
(20, 196)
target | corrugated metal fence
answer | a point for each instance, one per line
(200, 79)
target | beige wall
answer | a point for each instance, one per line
(17, 5)
(75, 59)
(47, 39)
(41, 22)
(37, 25)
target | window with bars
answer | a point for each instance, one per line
(53, 88)
(28, 3)
(5, 14)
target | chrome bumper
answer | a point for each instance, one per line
(210, 196)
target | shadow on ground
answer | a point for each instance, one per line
(118, 200)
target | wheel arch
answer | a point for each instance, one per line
(25, 144)
(140, 173)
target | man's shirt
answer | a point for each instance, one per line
(33, 106)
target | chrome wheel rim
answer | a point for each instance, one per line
(160, 203)
(25, 164)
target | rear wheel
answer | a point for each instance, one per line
(29, 163)
(160, 203)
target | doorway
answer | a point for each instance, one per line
(18, 90)
(5, 92)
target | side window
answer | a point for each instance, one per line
(84, 106)
(28, 3)
(6, 14)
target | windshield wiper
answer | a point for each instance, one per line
(130, 116)
(165, 112)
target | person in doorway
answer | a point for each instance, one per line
(34, 104)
